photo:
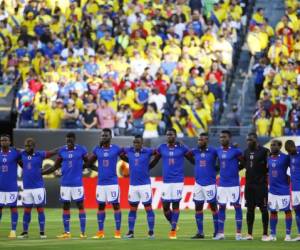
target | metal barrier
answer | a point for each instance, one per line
(235, 130)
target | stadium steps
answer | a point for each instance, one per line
(273, 11)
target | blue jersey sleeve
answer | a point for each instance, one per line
(185, 149)
(159, 149)
(43, 154)
(238, 152)
(84, 151)
(95, 150)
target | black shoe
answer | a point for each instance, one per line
(198, 236)
(151, 235)
(23, 235)
(129, 235)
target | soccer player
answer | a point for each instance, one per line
(34, 192)
(9, 158)
(172, 154)
(205, 185)
(279, 190)
(140, 185)
(107, 189)
(256, 188)
(294, 153)
(229, 186)
(71, 159)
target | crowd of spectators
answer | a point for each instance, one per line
(136, 66)
(276, 72)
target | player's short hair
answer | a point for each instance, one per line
(138, 137)
(171, 130)
(290, 143)
(5, 135)
(253, 134)
(71, 135)
(30, 139)
(107, 130)
(226, 132)
(277, 142)
(204, 134)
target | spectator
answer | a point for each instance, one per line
(71, 115)
(54, 115)
(262, 124)
(123, 120)
(258, 70)
(106, 115)
(277, 124)
(151, 121)
(88, 118)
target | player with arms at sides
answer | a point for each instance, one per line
(71, 158)
(228, 191)
(139, 158)
(279, 189)
(294, 153)
(9, 158)
(172, 154)
(34, 191)
(107, 188)
(256, 188)
(205, 183)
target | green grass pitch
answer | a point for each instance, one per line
(186, 223)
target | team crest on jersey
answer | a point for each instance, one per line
(273, 164)
(70, 156)
(223, 156)
(293, 160)
(105, 154)
(137, 154)
(251, 157)
(171, 153)
(4, 160)
(29, 157)
(202, 155)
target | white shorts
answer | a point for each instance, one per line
(139, 193)
(279, 202)
(108, 193)
(71, 193)
(8, 198)
(295, 198)
(228, 195)
(172, 192)
(204, 193)
(36, 196)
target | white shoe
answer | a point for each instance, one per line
(265, 238)
(272, 238)
(296, 239)
(238, 237)
(288, 238)
(219, 236)
(248, 237)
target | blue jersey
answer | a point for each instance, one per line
(107, 164)
(9, 170)
(205, 166)
(139, 165)
(229, 166)
(173, 162)
(32, 169)
(72, 165)
(295, 170)
(278, 178)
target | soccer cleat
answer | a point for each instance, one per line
(43, 236)
(65, 235)
(198, 236)
(272, 238)
(288, 238)
(23, 236)
(173, 235)
(151, 235)
(117, 234)
(219, 236)
(265, 238)
(12, 234)
(296, 239)
(82, 236)
(248, 237)
(99, 235)
(177, 228)
(238, 236)
(129, 235)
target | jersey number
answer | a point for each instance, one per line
(171, 161)
(105, 163)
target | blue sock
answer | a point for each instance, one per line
(297, 212)
(288, 222)
(238, 218)
(199, 221)
(41, 218)
(66, 220)
(1, 213)
(131, 219)
(273, 222)
(221, 218)
(174, 220)
(26, 218)
(168, 215)
(150, 218)
(14, 218)
(82, 220)
(215, 219)
(118, 219)
(101, 219)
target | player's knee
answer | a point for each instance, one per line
(116, 206)
(40, 209)
(237, 206)
(263, 209)
(250, 210)
(101, 206)
(80, 205)
(27, 209)
(222, 207)
(133, 206)
(288, 213)
(213, 207)
(13, 209)
(66, 206)
(148, 207)
(198, 206)
(175, 205)
(166, 206)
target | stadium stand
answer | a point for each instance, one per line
(135, 66)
